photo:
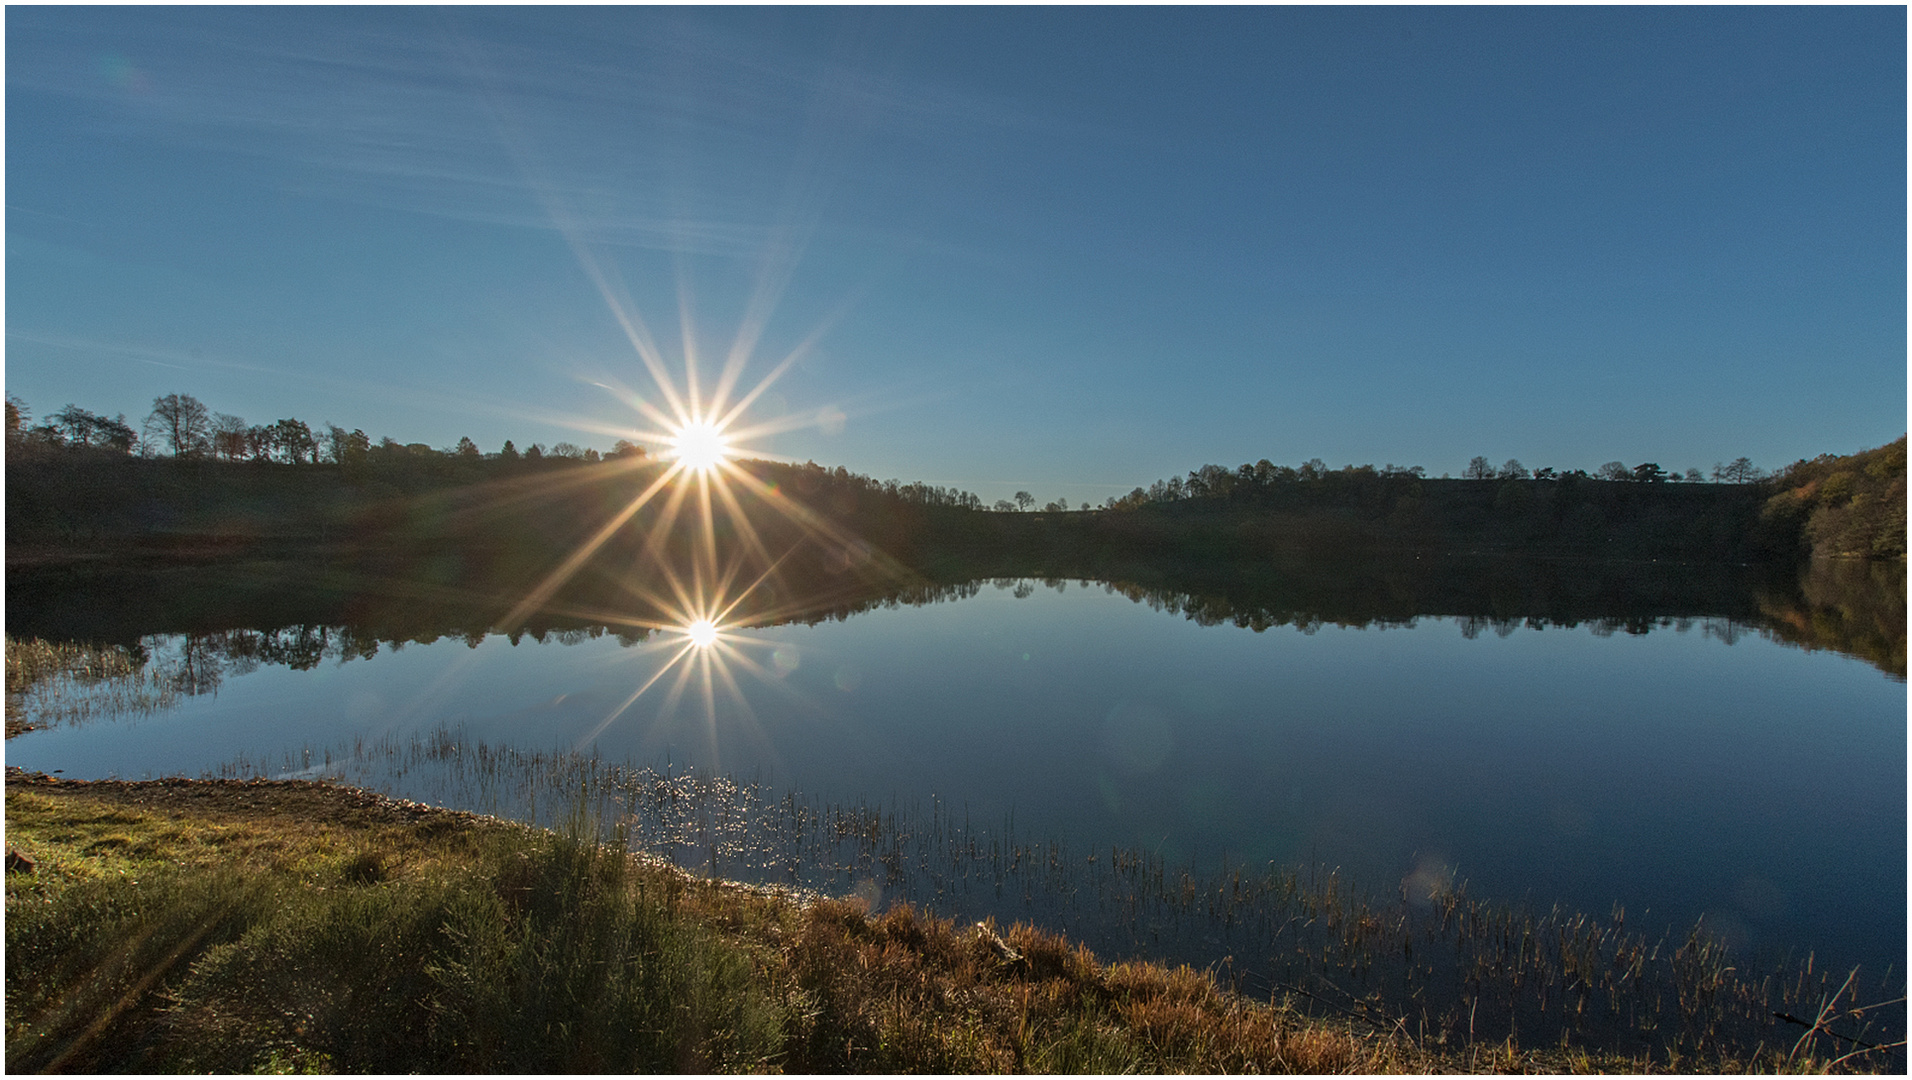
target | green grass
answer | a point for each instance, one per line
(522, 952)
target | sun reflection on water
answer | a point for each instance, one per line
(692, 591)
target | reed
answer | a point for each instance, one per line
(64, 682)
(1443, 968)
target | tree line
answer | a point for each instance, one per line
(1852, 505)
(1738, 471)
(840, 486)
(181, 426)
(1219, 481)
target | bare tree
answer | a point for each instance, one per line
(1024, 500)
(1478, 469)
(181, 421)
(228, 436)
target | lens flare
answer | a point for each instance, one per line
(700, 446)
(698, 594)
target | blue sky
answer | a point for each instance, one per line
(1069, 250)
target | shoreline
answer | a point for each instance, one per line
(941, 997)
(903, 976)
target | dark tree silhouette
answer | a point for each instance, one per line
(293, 439)
(82, 428)
(228, 436)
(181, 421)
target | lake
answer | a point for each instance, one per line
(1680, 765)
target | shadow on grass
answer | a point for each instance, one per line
(544, 955)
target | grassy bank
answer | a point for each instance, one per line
(191, 925)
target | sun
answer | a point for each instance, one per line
(700, 445)
(702, 633)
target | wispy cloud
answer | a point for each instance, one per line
(719, 135)
(157, 355)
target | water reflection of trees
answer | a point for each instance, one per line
(1848, 605)
(206, 624)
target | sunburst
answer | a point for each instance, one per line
(701, 633)
(689, 602)
(700, 445)
(695, 594)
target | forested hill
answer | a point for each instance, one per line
(1851, 506)
(67, 502)
(82, 486)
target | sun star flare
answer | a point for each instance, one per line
(700, 445)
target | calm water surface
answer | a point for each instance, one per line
(1758, 786)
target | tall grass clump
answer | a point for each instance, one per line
(543, 953)
(80, 962)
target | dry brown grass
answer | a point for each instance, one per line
(904, 990)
